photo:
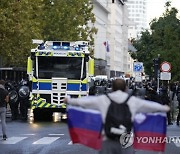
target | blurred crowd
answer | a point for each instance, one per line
(166, 94)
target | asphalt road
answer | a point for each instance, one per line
(53, 138)
(39, 138)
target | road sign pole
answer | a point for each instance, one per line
(158, 73)
(158, 76)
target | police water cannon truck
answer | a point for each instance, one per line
(57, 69)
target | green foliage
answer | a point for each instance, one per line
(18, 26)
(68, 20)
(24, 20)
(164, 39)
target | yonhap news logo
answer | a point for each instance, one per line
(127, 139)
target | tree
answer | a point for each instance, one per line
(164, 39)
(144, 48)
(19, 24)
(22, 21)
(69, 20)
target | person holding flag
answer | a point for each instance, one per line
(119, 95)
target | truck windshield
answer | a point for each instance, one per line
(61, 67)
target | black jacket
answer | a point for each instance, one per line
(3, 94)
(152, 95)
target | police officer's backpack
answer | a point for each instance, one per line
(118, 119)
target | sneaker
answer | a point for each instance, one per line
(4, 137)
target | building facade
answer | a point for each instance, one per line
(137, 16)
(111, 41)
(100, 39)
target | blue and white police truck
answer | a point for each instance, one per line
(57, 69)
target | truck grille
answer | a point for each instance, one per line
(59, 87)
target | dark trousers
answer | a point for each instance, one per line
(14, 110)
(114, 147)
(24, 109)
(169, 117)
(111, 147)
(173, 94)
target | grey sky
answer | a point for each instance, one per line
(156, 8)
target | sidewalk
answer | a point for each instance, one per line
(173, 130)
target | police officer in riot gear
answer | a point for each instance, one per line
(13, 99)
(165, 99)
(18, 96)
(23, 92)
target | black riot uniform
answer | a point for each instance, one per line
(13, 99)
(23, 92)
(166, 101)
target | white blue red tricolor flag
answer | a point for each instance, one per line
(150, 131)
(85, 126)
(106, 44)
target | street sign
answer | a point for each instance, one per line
(165, 76)
(138, 67)
(138, 77)
(165, 66)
